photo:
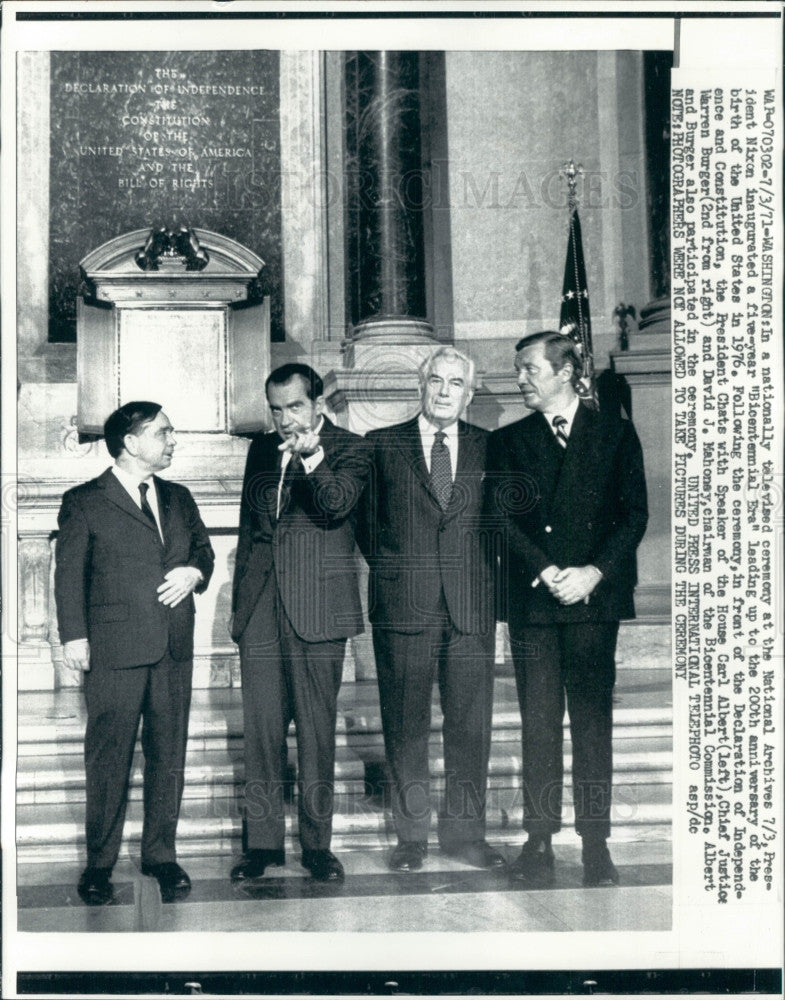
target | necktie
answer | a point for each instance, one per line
(560, 423)
(441, 470)
(147, 510)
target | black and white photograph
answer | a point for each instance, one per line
(392, 497)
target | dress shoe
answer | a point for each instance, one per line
(172, 879)
(477, 853)
(254, 862)
(534, 865)
(598, 869)
(95, 887)
(408, 856)
(323, 866)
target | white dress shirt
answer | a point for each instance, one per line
(131, 485)
(428, 433)
(309, 463)
(568, 414)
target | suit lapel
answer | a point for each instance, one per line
(548, 443)
(327, 437)
(270, 472)
(470, 463)
(116, 494)
(576, 460)
(410, 445)
(470, 458)
(546, 459)
(164, 507)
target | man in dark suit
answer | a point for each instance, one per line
(131, 549)
(295, 603)
(567, 486)
(430, 604)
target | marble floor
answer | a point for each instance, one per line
(446, 895)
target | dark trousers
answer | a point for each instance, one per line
(285, 678)
(406, 666)
(159, 694)
(575, 664)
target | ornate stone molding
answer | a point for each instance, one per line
(33, 573)
(111, 272)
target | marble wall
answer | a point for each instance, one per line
(513, 119)
(51, 455)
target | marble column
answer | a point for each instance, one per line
(305, 195)
(32, 213)
(386, 230)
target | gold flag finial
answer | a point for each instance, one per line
(571, 172)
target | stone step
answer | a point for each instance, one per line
(50, 771)
(67, 736)
(634, 742)
(56, 832)
(642, 694)
(61, 779)
(208, 790)
(223, 842)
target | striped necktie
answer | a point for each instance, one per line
(559, 422)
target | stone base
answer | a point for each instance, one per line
(379, 382)
(389, 344)
(36, 669)
(654, 328)
(366, 398)
(653, 602)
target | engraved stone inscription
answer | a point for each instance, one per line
(144, 139)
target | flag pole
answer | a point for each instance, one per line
(572, 172)
(574, 319)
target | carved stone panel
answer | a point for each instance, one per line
(155, 328)
(34, 560)
(187, 347)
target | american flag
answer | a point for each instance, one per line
(574, 317)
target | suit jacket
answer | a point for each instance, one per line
(310, 546)
(109, 563)
(569, 507)
(415, 550)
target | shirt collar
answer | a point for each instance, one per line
(428, 430)
(568, 412)
(131, 483)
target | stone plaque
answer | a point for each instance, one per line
(176, 357)
(144, 139)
